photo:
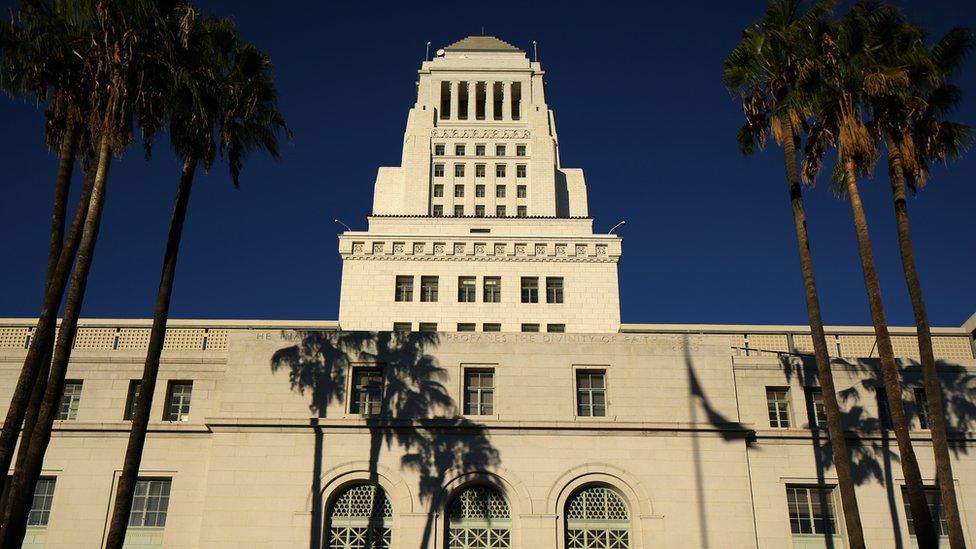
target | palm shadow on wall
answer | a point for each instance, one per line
(868, 436)
(417, 414)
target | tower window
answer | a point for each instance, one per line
(922, 407)
(500, 191)
(458, 211)
(519, 150)
(554, 289)
(465, 326)
(428, 288)
(520, 171)
(816, 413)
(428, 326)
(479, 191)
(479, 150)
(402, 326)
(404, 288)
(493, 289)
(778, 405)
(70, 400)
(499, 150)
(491, 327)
(438, 170)
(530, 289)
(530, 327)
(459, 170)
(459, 191)
(132, 398)
(499, 211)
(479, 170)
(178, 400)
(479, 210)
(466, 289)
(521, 191)
(523, 211)
(438, 190)
(458, 150)
(438, 210)
(445, 100)
(556, 328)
(500, 170)
(439, 150)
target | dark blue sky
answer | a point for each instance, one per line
(639, 106)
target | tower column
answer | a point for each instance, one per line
(489, 100)
(455, 88)
(506, 101)
(472, 100)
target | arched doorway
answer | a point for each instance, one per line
(479, 518)
(597, 518)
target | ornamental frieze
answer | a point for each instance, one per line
(480, 133)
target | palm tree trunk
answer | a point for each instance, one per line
(835, 429)
(922, 518)
(24, 481)
(930, 377)
(143, 406)
(39, 351)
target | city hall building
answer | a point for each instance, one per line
(478, 389)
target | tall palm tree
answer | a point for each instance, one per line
(222, 90)
(126, 38)
(913, 130)
(39, 60)
(764, 69)
(856, 62)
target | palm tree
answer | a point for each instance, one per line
(38, 60)
(764, 69)
(856, 62)
(222, 87)
(912, 129)
(125, 39)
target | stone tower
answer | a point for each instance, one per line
(480, 228)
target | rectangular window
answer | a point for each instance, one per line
(438, 210)
(523, 211)
(459, 170)
(934, 498)
(428, 326)
(778, 404)
(40, 510)
(491, 327)
(479, 150)
(479, 210)
(367, 391)
(465, 326)
(479, 170)
(150, 502)
(479, 392)
(458, 150)
(521, 191)
(499, 211)
(459, 191)
(811, 510)
(439, 150)
(438, 170)
(70, 400)
(466, 289)
(479, 191)
(530, 289)
(499, 150)
(591, 393)
(493, 289)
(404, 288)
(402, 326)
(922, 408)
(556, 328)
(428, 288)
(438, 191)
(500, 191)
(178, 400)
(459, 211)
(499, 170)
(884, 413)
(520, 171)
(554, 289)
(815, 408)
(530, 327)
(131, 399)
(519, 150)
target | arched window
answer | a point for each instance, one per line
(361, 517)
(479, 518)
(597, 518)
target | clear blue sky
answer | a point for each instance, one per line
(639, 106)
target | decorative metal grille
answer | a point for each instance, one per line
(597, 518)
(361, 518)
(479, 518)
